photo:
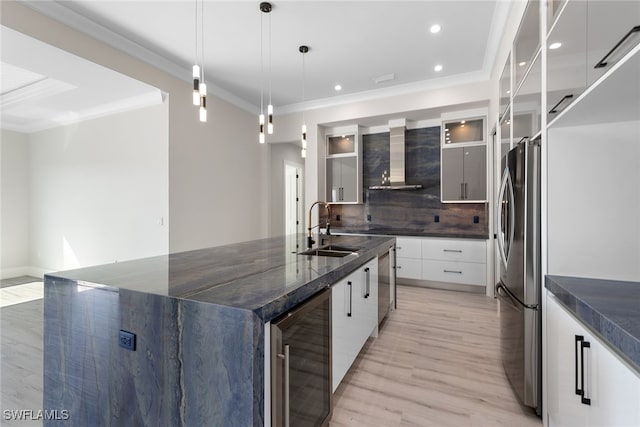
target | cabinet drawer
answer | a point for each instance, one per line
(409, 268)
(455, 272)
(409, 247)
(454, 250)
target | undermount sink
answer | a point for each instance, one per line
(330, 250)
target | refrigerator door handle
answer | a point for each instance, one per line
(505, 186)
(513, 298)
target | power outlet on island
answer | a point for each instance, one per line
(127, 340)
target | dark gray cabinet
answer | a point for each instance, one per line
(464, 173)
(342, 179)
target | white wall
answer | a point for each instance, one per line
(594, 205)
(280, 153)
(217, 171)
(14, 204)
(99, 190)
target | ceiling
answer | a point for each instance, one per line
(352, 43)
(43, 87)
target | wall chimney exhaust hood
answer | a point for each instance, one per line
(396, 159)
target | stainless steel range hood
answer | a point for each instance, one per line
(396, 160)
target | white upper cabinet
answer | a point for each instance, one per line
(566, 58)
(613, 29)
(527, 41)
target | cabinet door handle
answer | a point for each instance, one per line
(576, 344)
(350, 298)
(398, 267)
(564, 98)
(367, 287)
(465, 191)
(583, 399)
(462, 191)
(285, 358)
(453, 250)
(453, 271)
(602, 63)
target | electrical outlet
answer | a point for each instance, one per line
(368, 217)
(127, 340)
(476, 219)
(436, 218)
(338, 217)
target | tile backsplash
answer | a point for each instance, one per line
(416, 212)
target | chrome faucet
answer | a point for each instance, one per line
(310, 240)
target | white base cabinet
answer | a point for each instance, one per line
(460, 261)
(354, 316)
(611, 388)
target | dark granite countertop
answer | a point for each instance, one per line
(415, 232)
(611, 308)
(265, 276)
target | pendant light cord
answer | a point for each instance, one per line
(270, 59)
(196, 29)
(202, 32)
(303, 85)
(261, 65)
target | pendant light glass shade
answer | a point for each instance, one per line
(304, 136)
(196, 85)
(270, 119)
(203, 102)
(261, 122)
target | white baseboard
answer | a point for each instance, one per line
(7, 273)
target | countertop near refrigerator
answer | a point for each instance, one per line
(609, 307)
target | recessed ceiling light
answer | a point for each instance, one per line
(555, 45)
(463, 121)
(508, 92)
(522, 64)
(337, 88)
(437, 68)
(435, 29)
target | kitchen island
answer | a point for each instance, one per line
(196, 356)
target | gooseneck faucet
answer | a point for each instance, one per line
(310, 240)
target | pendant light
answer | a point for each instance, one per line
(303, 139)
(203, 85)
(196, 68)
(265, 7)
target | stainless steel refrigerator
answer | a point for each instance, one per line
(518, 288)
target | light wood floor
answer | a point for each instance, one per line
(436, 362)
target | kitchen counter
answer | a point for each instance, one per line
(199, 323)
(610, 308)
(384, 231)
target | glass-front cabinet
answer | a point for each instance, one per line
(527, 41)
(505, 88)
(464, 160)
(613, 29)
(343, 166)
(527, 104)
(566, 53)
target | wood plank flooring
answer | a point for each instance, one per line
(436, 362)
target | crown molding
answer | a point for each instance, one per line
(72, 19)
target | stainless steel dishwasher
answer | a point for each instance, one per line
(301, 364)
